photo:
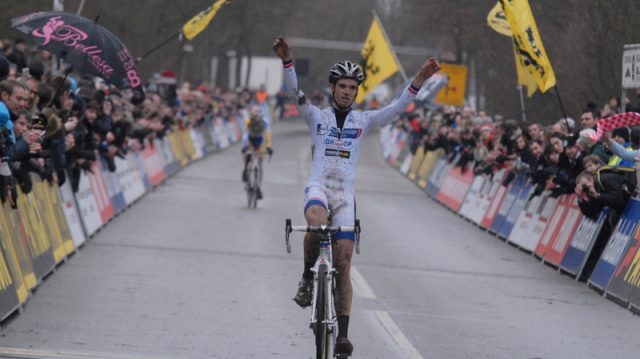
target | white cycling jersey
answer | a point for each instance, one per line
(336, 152)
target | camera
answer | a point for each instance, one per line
(39, 121)
(585, 188)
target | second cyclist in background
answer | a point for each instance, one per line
(256, 140)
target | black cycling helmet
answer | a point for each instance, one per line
(346, 70)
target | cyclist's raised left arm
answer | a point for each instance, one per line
(388, 113)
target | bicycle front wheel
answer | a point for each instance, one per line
(322, 330)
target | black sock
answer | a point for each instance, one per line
(343, 326)
(308, 274)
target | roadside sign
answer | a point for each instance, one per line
(453, 93)
(631, 67)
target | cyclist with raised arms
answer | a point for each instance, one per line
(337, 133)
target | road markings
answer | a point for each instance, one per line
(20, 353)
(360, 286)
(397, 335)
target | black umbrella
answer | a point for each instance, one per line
(87, 46)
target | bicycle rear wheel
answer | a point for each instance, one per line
(322, 330)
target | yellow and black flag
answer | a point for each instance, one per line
(200, 22)
(528, 42)
(498, 22)
(378, 60)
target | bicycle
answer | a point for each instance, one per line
(323, 320)
(254, 180)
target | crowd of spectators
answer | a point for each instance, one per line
(563, 157)
(57, 128)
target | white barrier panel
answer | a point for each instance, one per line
(114, 190)
(406, 164)
(472, 201)
(523, 233)
(88, 206)
(198, 143)
(130, 179)
(218, 134)
(72, 215)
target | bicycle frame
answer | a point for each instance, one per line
(325, 259)
(254, 170)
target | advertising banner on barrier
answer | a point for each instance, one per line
(494, 206)
(417, 160)
(437, 177)
(558, 217)
(617, 246)
(532, 221)
(455, 187)
(471, 203)
(57, 227)
(557, 247)
(406, 163)
(197, 140)
(88, 206)
(169, 163)
(203, 129)
(522, 232)
(48, 223)
(176, 148)
(38, 241)
(152, 165)
(71, 214)
(387, 142)
(626, 278)
(129, 178)
(218, 135)
(581, 244)
(13, 228)
(187, 145)
(232, 130)
(113, 187)
(100, 191)
(8, 292)
(139, 163)
(484, 197)
(400, 140)
(513, 207)
(394, 142)
(18, 255)
(427, 166)
(487, 194)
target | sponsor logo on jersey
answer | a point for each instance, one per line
(351, 133)
(332, 141)
(322, 129)
(333, 152)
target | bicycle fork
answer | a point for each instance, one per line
(325, 253)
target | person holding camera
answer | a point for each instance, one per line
(606, 188)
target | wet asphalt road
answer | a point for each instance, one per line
(190, 272)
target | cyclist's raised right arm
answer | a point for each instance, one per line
(291, 86)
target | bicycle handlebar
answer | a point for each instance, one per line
(324, 229)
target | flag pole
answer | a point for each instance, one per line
(158, 46)
(524, 114)
(555, 87)
(384, 33)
